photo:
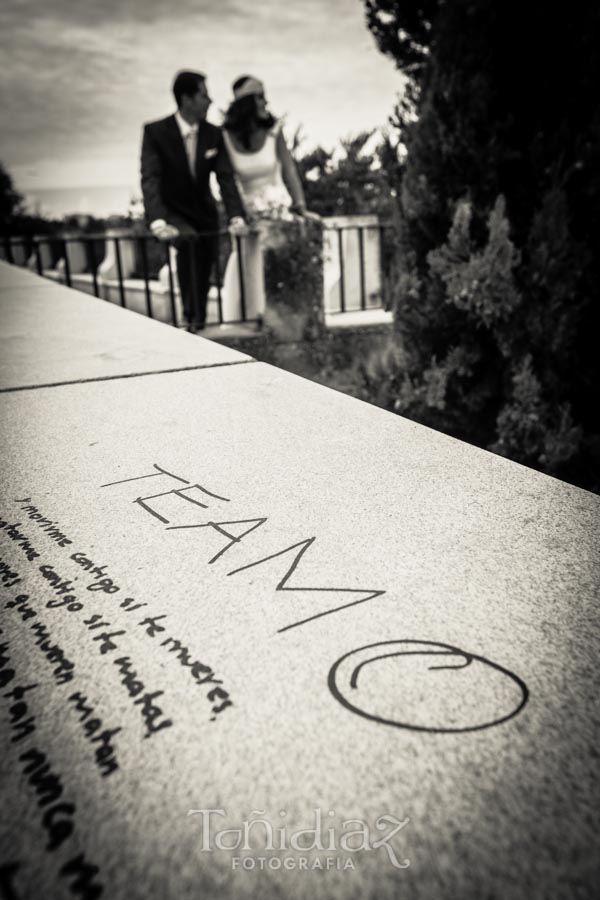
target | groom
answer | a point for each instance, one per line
(178, 155)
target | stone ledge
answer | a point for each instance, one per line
(206, 561)
(50, 333)
(360, 318)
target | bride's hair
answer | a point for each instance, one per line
(242, 119)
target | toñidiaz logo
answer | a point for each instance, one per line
(323, 840)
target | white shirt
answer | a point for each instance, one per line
(189, 134)
(184, 126)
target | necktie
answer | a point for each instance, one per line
(191, 141)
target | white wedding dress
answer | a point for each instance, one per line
(266, 200)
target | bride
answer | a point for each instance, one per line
(270, 189)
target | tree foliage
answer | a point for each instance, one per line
(360, 178)
(10, 199)
(497, 305)
(403, 30)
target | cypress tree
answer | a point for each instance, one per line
(497, 306)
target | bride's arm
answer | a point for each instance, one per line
(290, 176)
(223, 168)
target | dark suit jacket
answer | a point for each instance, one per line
(168, 188)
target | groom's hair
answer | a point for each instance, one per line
(186, 84)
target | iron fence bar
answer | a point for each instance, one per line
(120, 272)
(36, 244)
(93, 265)
(361, 261)
(342, 271)
(382, 273)
(171, 287)
(146, 281)
(193, 279)
(67, 266)
(218, 277)
(8, 250)
(238, 246)
(38, 257)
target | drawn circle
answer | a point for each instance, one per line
(343, 681)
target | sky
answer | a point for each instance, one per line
(80, 77)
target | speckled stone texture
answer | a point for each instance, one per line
(350, 623)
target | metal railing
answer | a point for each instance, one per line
(112, 273)
(385, 232)
(51, 256)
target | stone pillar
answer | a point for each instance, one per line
(77, 257)
(108, 269)
(18, 251)
(45, 253)
(163, 275)
(293, 276)
(251, 247)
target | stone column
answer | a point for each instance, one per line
(108, 270)
(76, 253)
(45, 253)
(16, 252)
(293, 275)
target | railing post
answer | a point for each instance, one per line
(293, 306)
(193, 279)
(119, 272)
(75, 258)
(37, 253)
(146, 281)
(118, 263)
(238, 246)
(382, 272)
(218, 277)
(19, 251)
(67, 265)
(171, 286)
(342, 270)
(38, 257)
(93, 264)
(361, 267)
(8, 250)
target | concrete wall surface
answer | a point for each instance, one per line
(260, 639)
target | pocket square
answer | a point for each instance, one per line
(210, 153)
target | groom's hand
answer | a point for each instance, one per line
(237, 226)
(163, 231)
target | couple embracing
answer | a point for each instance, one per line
(257, 178)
